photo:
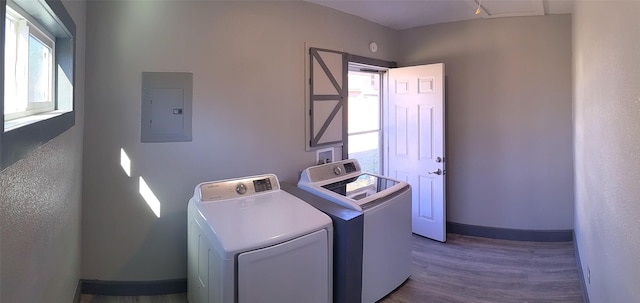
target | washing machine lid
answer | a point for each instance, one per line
(343, 182)
(360, 187)
(252, 222)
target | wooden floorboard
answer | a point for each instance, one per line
(467, 269)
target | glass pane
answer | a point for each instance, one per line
(364, 102)
(366, 148)
(39, 71)
(360, 187)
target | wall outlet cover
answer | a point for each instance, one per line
(324, 156)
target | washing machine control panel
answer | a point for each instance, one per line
(333, 170)
(234, 188)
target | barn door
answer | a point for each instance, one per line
(328, 89)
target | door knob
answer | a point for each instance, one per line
(437, 172)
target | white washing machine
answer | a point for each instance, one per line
(386, 205)
(249, 241)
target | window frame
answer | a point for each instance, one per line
(362, 69)
(17, 141)
(379, 66)
(40, 33)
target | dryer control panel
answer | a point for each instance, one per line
(235, 188)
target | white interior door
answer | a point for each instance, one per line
(415, 134)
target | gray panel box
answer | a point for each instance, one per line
(166, 107)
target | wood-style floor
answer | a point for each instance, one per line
(176, 298)
(467, 269)
(471, 269)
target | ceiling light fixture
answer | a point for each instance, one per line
(478, 9)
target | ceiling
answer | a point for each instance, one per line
(404, 14)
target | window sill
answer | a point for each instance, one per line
(20, 122)
(25, 137)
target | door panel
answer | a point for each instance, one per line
(402, 133)
(326, 74)
(415, 123)
(425, 193)
(425, 124)
(327, 122)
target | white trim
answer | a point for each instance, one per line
(20, 122)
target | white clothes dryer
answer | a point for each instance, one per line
(249, 241)
(386, 205)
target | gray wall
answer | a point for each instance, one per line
(508, 118)
(247, 60)
(607, 146)
(40, 208)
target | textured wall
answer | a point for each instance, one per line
(247, 60)
(508, 118)
(40, 198)
(607, 146)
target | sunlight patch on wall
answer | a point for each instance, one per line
(149, 197)
(125, 162)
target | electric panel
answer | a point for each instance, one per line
(166, 107)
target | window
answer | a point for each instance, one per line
(365, 130)
(38, 78)
(29, 60)
(364, 119)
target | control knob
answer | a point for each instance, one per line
(241, 189)
(337, 170)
